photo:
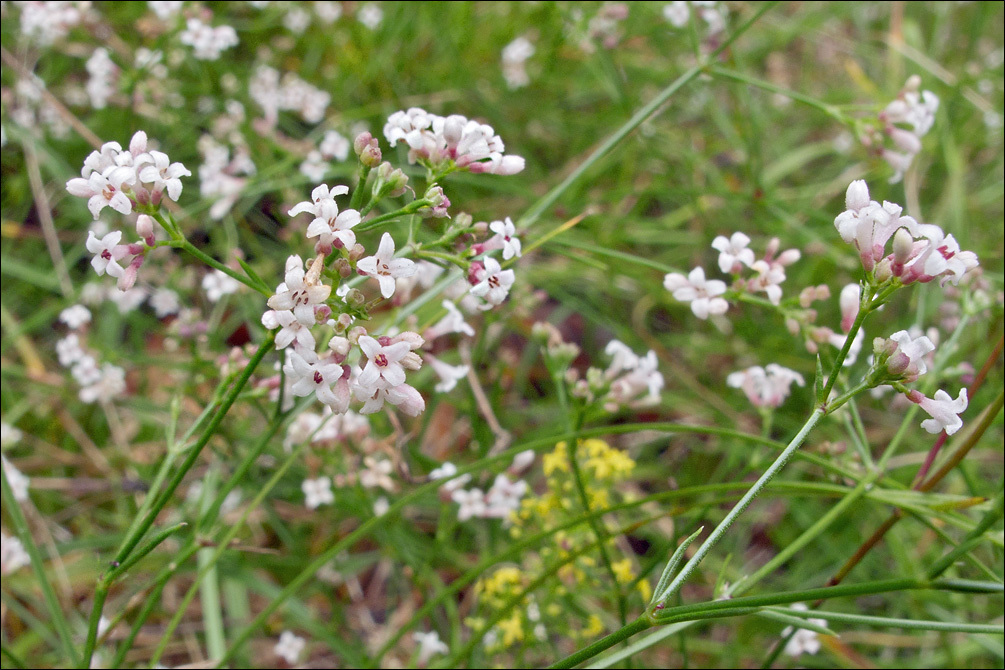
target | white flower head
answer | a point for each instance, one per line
(803, 641)
(290, 647)
(429, 646)
(75, 316)
(493, 283)
(943, 409)
(505, 238)
(701, 293)
(317, 492)
(384, 267)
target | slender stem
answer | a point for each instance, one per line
(13, 508)
(864, 309)
(377, 221)
(212, 262)
(744, 502)
(136, 534)
(357, 195)
(637, 626)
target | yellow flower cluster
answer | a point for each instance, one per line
(573, 549)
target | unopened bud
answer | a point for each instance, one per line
(322, 313)
(355, 298)
(361, 142)
(343, 267)
(340, 345)
(903, 245)
(883, 270)
(342, 323)
(357, 252)
(411, 361)
(145, 228)
(355, 334)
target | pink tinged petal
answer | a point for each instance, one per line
(407, 399)
(346, 237)
(325, 394)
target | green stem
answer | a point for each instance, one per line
(618, 636)
(744, 502)
(212, 262)
(377, 221)
(357, 195)
(13, 508)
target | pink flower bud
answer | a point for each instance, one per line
(857, 195)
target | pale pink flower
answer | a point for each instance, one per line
(105, 189)
(492, 283)
(943, 409)
(163, 175)
(701, 293)
(107, 253)
(733, 252)
(310, 375)
(302, 291)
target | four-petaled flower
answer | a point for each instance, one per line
(493, 283)
(701, 293)
(107, 253)
(301, 292)
(384, 267)
(310, 375)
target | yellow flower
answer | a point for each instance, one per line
(512, 629)
(556, 460)
(623, 570)
(645, 590)
(594, 627)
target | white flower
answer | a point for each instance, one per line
(453, 322)
(314, 166)
(803, 641)
(13, 556)
(111, 383)
(677, 13)
(493, 283)
(19, 482)
(335, 145)
(289, 647)
(702, 294)
(384, 267)
(218, 284)
(75, 316)
(472, 503)
(642, 377)
(370, 15)
(448, 469)
(406, 398)
(165, 9)
(310, 375)
(765, 387)
(329, 223)
(317, 492)
(506, 238)
(164, 302)
(9, 435)
(943, 409)
(161, 173)
(504, 497)
(377, 473)
(383, 367)
(206, 41)
(733, 252)
(291, 329)
(380, 506)
(105, 189)
(429, 645)
(107, 253)
(302, 291)
(68, 350)
(449, 374)
(908, 359)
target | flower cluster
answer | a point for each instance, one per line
(450, 143)
(904, 122)
(514, 62)
(706, 295)
(921, 252)
(206, 41)
(138, 177)
(98, 382)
